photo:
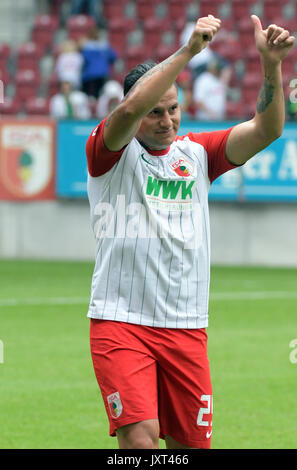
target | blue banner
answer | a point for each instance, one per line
(271, 175)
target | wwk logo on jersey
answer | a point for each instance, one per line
(115, 404)
(169, 195)
(182, 167)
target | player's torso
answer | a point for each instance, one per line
(150, 219)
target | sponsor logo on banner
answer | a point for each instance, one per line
(115, 404)
(26, 160)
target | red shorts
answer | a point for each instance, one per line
(154, 373)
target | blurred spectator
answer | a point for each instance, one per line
(88, 7)
(185, 93)
(69, 64)
(98, 57)
(209, 92)
(69, 103)
(111, 96)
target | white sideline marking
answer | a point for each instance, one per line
(253, 295)
(44, 301)
(215, 296)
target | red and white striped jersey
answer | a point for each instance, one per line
(149, 214)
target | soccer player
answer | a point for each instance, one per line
(148, 194)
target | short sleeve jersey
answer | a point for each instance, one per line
(149, 214)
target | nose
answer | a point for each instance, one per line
(165, 121)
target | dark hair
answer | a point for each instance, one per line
(136, 73)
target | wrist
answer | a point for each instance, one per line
(269, 63)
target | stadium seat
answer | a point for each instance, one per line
(4, 76)
(246, 33)
(153, 30)
(163, 51)
(53, 85)
(252, 61)
(206, 7)
(249, 95)
(28, 56)
(78, 26)
(134, 55)
(177, 10)
(145, 9)
(10, 106)
(43, 30)
(5, 52)
(234, 109)
(229, 50)
(37, 106)
(241, 9)
(273, 9)
(118, 31)
(114, 9)
(27, 84)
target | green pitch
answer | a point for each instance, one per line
(49, 396)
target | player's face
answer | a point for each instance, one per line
(159, 128)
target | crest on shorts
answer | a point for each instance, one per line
(115, 404)
(182, 167)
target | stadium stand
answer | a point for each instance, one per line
(138, 30)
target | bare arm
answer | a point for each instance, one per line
(249, 138)
(123, 123)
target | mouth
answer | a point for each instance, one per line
(167, 132)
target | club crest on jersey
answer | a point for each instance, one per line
(115, 404)
(181, 167)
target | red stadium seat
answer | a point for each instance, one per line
(79, 26)
(53, 85)
(177, 10)
(272, 9)
(153, 30)
(234, 109)
(145, 9)
(134, 56)
(27, 84)
(163, 51)
(37, 106)
(44, 29)
(114, 9)
(210, 8)
(241, 9)
(246, 33)
(4, 76)
(11, 106)
(118, 31)
(28, 56)
(5, 52)
(249, 95)
(252, 61)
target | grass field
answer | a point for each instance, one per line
(48, 392)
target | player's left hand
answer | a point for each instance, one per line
(273, 43)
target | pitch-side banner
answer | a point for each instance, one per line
(27, 159)
(270, 175)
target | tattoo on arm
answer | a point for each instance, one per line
(265, 96)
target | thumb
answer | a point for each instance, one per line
(257, 23)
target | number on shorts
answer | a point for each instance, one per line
(202, 411)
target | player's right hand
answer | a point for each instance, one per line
(203, 33)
